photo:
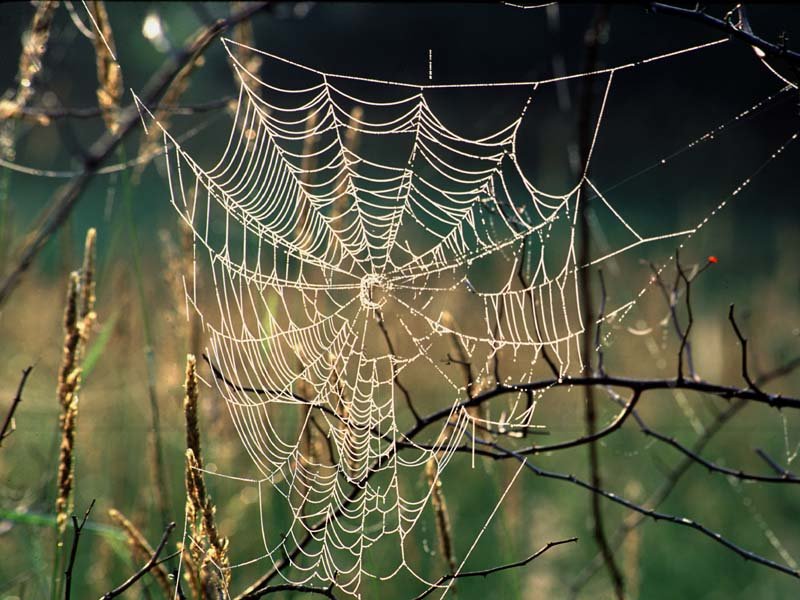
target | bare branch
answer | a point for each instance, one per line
(288, 587)
(658, 516)
(674, 476)
(8, 427)
(743, 342)
(487, 572)
(785, 477)
(784, 473)
(117, 591)
(729, 27)
(395, 377)
(73, 553)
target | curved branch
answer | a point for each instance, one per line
(727, 26)
(7, 427)
(487, 572)
(145, 568)
(658, 516)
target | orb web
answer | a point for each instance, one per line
(353, 240)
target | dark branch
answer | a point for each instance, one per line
(785, 477)
(395, 377)
(8, 428)
(73, 553)
(486, 572)
(743, 342)
(288, 587)
(784, 473)
(658, 516)
(145, 568)
(729, 27)
(674, 476)
(91, 112)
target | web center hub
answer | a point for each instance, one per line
(373, 291)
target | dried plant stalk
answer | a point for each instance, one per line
(68, 383)
(88, 284)
(34, 45)
(187, 252)
(141, 551)
(308, 163)
(443, 530)
(190, 410)
(351, 141)
(109, 75)
(179, 260)
(209, 549)
(78, 318)
(190, 574)
(173, 94)
(243, 34)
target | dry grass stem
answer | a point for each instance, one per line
(152, 139)
(78, 317)
(34, 45)
(109, 76)
(67, 392)
(208, 549)
(141, 551)
(243, 34)
(443, 531)
(88, 284)
(351, 141)
(190, 410)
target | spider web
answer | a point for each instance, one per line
(353, 238)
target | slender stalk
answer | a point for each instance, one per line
(157, 454)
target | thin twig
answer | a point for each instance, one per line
(727, 26)
(73, 553)
(674, 476)
(658, 516)
(8, 428)
(288, 587)
(93, 112)
(785, 477)
(585, 134)
(687, 282)
(145, 568)
(784, 473)
(671, 296)
(598, 344)
(743, 342)
(395, 376)
(490, 571)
